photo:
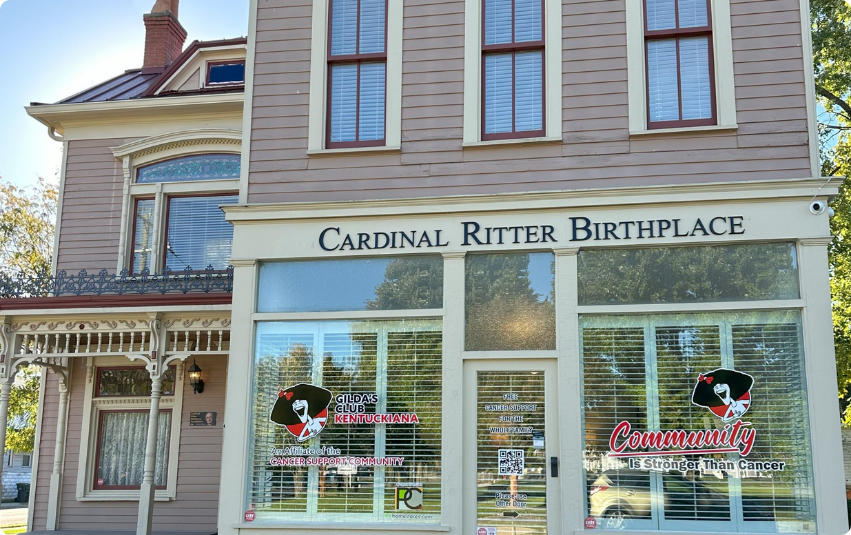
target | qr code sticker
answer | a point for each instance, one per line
(511, 462)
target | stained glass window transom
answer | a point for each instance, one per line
(189, 168)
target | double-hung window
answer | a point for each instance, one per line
(680, 64)
(176, 225)
(357, 74)
(513, 69)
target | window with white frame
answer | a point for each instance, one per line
(355, 75)
(680, 64)
(115, 430)
(512, 70)
(176, 225)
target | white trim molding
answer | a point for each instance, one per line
(185, 138)
(553, 48)
(319, 78)
(722, 47)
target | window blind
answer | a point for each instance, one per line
(344, 96)
(371, 105)
(198, 234)
(661, 14)
(527, 21)
(143, 235)
(499, 93)
(498, 22)
(694, 72)
(662, 80)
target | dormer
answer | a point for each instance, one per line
(204, 67)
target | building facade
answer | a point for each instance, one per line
(474, 266)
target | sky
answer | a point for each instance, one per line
(52, 49)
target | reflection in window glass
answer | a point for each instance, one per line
(651, 372)
(131, 382)
(509, 302)
(143, 235)
(315, 453)
(407, 283)
(198, 233)
(688, 274)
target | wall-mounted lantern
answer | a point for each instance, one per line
(195, 378)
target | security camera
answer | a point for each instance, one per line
(818, 207)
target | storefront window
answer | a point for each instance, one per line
(688, 274)
(697, 423)
(413, 282)
(510, 302)
(346, 423)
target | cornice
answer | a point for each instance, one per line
(750, 191)
(201, 136)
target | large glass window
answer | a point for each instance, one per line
(510, 302)
(688, 274)
(121, 442)
(387, 283)
(513, 69)
(346, 421)
(198, 235)
(697, 423)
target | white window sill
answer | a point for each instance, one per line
(121, 496)
(341, 526)
(513, 141)
(350, 150)
(686, 130)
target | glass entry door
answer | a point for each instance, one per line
(511, 447)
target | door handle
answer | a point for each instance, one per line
(554, 466)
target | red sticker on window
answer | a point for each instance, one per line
(100, 482)
(249, 516)
(590, 522)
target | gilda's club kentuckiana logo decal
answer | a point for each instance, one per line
(727, 393)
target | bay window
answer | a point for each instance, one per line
(680, 85)
(357, 73)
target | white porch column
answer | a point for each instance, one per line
(5, 391)
(7, 377)
(820, 359)
(54, 497)
(148, 489)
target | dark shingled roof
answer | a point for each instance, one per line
(129, 85)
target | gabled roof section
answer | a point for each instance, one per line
(192, 59)
(133, 84)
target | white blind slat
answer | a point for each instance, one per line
(344, 27)
(498, 93)
(344, 87)
(661, 15)
(694, 74)
(497, 22)
(662, 78)
(372, 88)
(527, 20)
(371, 26)
(198, 234)
(529, 91)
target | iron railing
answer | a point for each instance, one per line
(124, 283)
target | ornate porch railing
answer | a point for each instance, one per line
(187, 281)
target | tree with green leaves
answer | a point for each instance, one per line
(27, 218)
(23, 403)
(831, 21)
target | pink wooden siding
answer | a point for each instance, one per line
(91, 211)
(771, 142)
(198, 467)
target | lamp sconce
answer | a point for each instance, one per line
(195, 378)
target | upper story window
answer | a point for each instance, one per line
(180, 226)
(357, 73)
(225, 73)
(679, 59)
(513, 69)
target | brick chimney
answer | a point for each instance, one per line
(164, 36)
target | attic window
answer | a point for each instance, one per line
(227, 72)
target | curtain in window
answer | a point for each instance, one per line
(198, 234)
(121, 443)
(143, 235)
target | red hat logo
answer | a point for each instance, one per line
(302, 409)
(727, 393)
